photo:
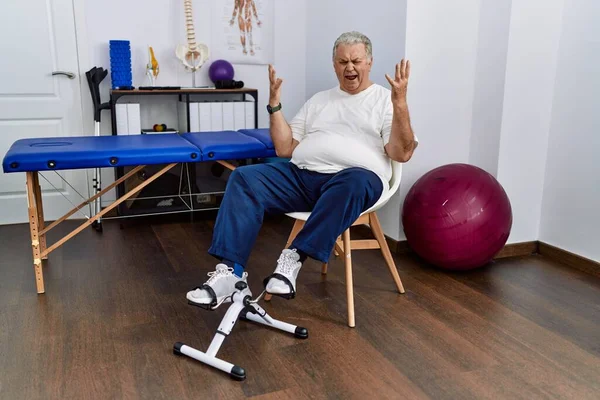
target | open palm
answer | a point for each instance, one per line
(400, 82)
(274, 85)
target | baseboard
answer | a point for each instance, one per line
(518, 249)
(523, 249)
(398, 246)
(571, 259)
(509, 250)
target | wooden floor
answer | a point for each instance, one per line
(115, 304)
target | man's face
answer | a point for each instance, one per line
(352, 67)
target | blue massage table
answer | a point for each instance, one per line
(49, 154)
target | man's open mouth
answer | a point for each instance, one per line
(351, 77)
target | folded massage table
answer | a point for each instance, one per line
(50, 154)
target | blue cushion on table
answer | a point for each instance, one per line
(264, 135)
(228, 145)
(70, 152)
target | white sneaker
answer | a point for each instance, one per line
(288, 267)
(219, 286)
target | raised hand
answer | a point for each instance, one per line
(400, 82)
(275, 87)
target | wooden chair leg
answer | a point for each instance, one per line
(378, 233)
(298, 225)
(335, 250)
(349, 283)
(324, 269)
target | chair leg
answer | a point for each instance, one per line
(298, 225)
(349, 283)
(324, 269)
(378, 233)
(335, 250)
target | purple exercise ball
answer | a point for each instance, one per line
(457, 217)
(220, 70)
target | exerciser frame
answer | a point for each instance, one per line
(242, 307)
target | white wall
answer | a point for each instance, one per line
(441, 43)
(532, 118)
(492, 87)
(458, 56)
(535, 28)
(326, 20)
(489, 86)
(161, 25)
(570, 216)
(492, 45)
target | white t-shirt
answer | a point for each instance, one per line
(338, 130)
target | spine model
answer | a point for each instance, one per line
(192, 55)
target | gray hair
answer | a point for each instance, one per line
(353, 38)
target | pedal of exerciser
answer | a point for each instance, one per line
(208, 307)
(212, 305)
(287, 296)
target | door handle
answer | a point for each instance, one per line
(69, 74)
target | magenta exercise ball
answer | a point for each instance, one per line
(457, 217)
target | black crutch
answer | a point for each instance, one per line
(94, 78)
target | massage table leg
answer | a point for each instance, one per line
(33, 198)
(40, 211)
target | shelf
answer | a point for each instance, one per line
(135, 92)
(206, 178)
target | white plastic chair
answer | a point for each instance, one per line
(344, 245)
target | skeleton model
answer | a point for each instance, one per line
(245, 9)
(193, 55)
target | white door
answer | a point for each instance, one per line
(37, 38)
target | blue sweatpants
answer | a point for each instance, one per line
(335, 201)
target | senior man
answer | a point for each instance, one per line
(340, 144)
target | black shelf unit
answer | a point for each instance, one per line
(179, 202)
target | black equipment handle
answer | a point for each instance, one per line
(95, 76)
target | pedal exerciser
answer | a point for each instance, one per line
(244, 307)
